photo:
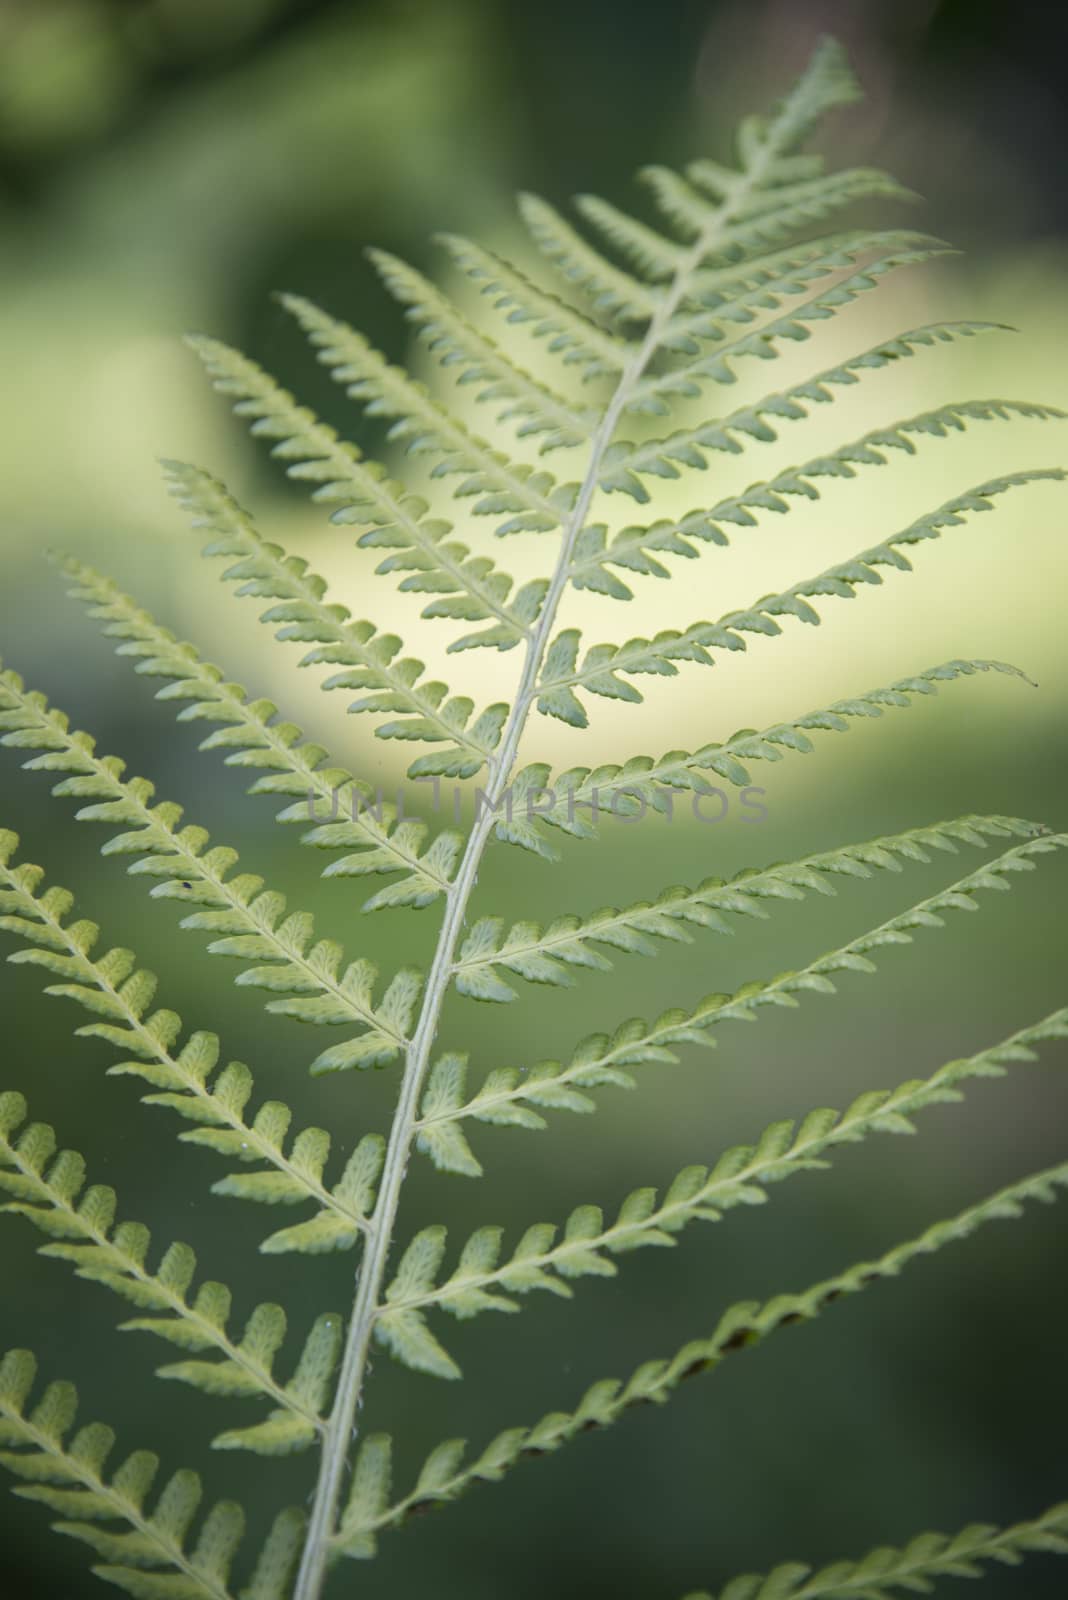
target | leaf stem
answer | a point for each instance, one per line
(340, 1427)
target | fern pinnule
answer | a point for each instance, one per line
(741, 1327)
(249, 918)
(509, 1097)
(586, 1245)
(656, 394)
(571, 337)
(48, 1189)
(631, 547)
(618, 295)
(264, 570)
(533, 407)
(695, 202)
(648, 251)
(645, 781)
(70, 1479)
(600, 667)
(627, 462)
(251, 736)
(546, 955)
(112, 987)
(807, 195)
(886, 1572)
(492, 481)
(736, 297)
(842, 463)
(363, 493)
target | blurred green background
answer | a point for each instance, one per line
(165, 165)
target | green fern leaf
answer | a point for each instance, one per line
(492, 481)
(612, 292)
(252, 737)
(363, 494)
(626, 462)
(369, 657)
(570, 336)
(630, 549)
(769, 216)
(655, 395)
(841, 463)
(70, 1479)
(507, 1097)
(249, 918)
(546, 955)
(647, 250)
(48, 1189)
(476, 360)
(737, 295)
(886, 1572)
(184, 1076)
(642, 782)
(736, 265)
(765, 164)
(741, 1327)
(698, 1193)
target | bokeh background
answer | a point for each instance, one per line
(165, 165)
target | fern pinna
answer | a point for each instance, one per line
(645, 318)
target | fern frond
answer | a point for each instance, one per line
(493, 482)
(363, 494)
(611, 291)
(771, 215)
(732, 270)
(510, 1098)
(886, 1572)
(754, 207)
(626, 462)
(70, 1479)
(650, 252)
(741, 292)
(710, 288)
(699, 1193)
(445, 1476)
(739, 1178)
(656, 393)
(48, 1188)
(765, 164)
(112, 987)
(249, 921)
(634, 547)
(828, 83)
(592, 558)
(251, 736)
(625, 791)
(545, 955)
(569, 335)
(476, 359)
(264, 570)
